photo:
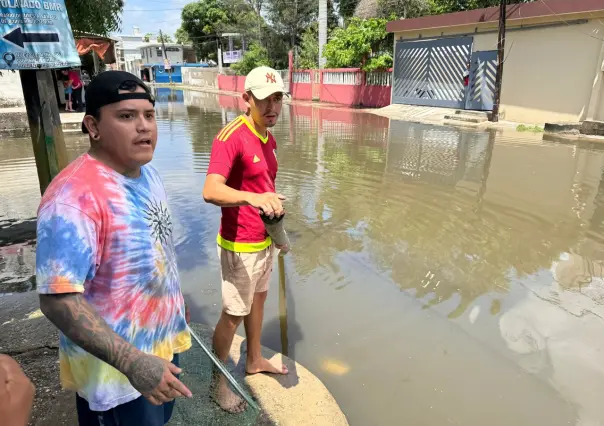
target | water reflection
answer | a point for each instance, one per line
(557, 332)
(428, 263)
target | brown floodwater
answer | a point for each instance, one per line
(438, 276)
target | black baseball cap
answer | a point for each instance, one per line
(105, 88)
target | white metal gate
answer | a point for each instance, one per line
(431, 72)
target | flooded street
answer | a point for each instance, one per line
(437, 276)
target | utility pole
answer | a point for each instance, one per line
(500, 59)
(166, 62)
(322, 31)
(44, 124)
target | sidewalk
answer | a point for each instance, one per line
(25, 334)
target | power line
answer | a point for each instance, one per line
(567, 23)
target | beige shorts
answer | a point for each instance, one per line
(243, 275)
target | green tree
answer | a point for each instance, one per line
(244, 19)
(402, 9)
(309, 48)
(147, 37)
(364, 43)
(447, 6)
(201, 21)
(254, 57)
(93, 16)
(181, 36)
(292, 17)
(164, 38)
(346, 8)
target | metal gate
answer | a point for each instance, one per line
(431, 72)
(481, 88)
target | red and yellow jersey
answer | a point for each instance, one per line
(248, 161)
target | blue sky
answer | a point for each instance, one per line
(152, 15)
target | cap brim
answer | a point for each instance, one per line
(265, 92)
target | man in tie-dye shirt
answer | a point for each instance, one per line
(106, 265)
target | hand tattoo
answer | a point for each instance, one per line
(146, 373)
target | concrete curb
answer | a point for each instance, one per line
(297, 399)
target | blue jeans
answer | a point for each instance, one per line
(139, 412)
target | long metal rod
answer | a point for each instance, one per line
(224, 371)
(283, 307)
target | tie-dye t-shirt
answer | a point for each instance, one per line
(110, 237)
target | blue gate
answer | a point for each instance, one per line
(481, 89)
(431, 72)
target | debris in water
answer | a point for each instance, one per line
(335, 367)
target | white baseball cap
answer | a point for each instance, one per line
(263, 82)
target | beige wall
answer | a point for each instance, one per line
(200, 77)
(549, 72)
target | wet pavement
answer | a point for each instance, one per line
(438, 276)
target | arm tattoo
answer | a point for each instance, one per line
(74, 316)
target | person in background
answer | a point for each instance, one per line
(16, 393)
(68, 94)
(241, 180)
(74, 80)
(106, 265)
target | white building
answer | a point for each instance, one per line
(178, 54)
(128, 51)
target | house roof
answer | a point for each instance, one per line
(558, 10)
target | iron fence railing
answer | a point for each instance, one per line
(348, 78)
(380, 78)
(301, 77)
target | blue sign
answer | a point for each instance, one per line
(36, 34)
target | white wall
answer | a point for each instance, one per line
(11, 93)
(150, 56)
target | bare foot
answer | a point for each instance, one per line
(226, 398)
(263, 365)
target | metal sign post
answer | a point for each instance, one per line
(35, 37)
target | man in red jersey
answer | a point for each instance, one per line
(241, 180)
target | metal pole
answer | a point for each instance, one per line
(219, 56)
(223, 370)
(322, 31)
(500, 58)
(165, 55)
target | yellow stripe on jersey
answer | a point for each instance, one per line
(264, 139)
(228, 127)
(230, 132)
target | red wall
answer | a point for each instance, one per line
(349, 95)
(231, 83)
(341, 94)
(376, 96)
(301, 91)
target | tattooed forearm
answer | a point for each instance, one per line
(74, 316)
